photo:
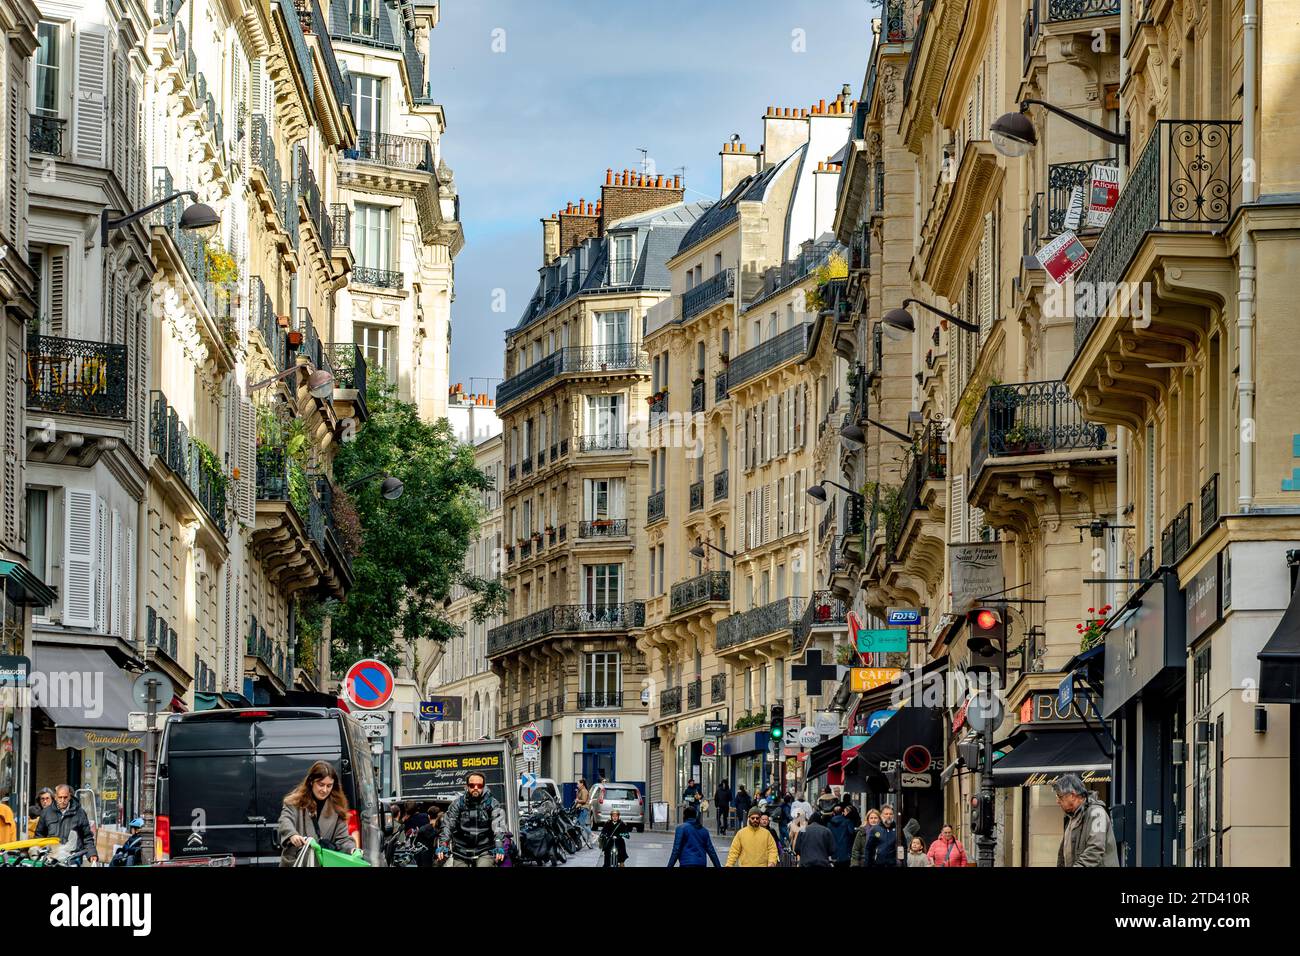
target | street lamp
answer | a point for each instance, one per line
(856, 438)
(697, 552)
(319, 382)
(1013, 134)
(391, 488)
(197, 217)
(900, 318)
(818, 493)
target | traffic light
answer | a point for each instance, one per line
(981, 814)
(987, 642)
(778, 723)
(969, 752)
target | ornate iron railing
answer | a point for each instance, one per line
(1186, 180)
(1176, 538)
(670, 701)
(527, 466)
(759, 622)
(1080, 9)
(1062, 179)
(721, 484)
(654, 507)
(603, 528)
(697, 396)
(263, 317)
(341, 221)
(610, 442)
(46, 135)
(390, 149)
(900, 20)
(697, 495)
(777, 350)
(824, 610)
(776, 278)
(272, 474)
(565, 619)
(170, 441)
(261, 151)
(1030, 418)
(598, 699)
(1032, 28)
(708, 293)
(1209, 503)
(308, 191)
(76, 377)
(720, 386)
(701, 589)
(718, 688)
(929, 462)
(625, 356)
(349, 368)
(377, 278)
(1147, 564)
(694, 694)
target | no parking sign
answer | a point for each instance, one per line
(369, 684)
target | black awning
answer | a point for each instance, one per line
(1045, 755)
(824, 756)
(1279, 661)
(86, 696)
(909, 727)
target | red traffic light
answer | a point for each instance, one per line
(986, 620)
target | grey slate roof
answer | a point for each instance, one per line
(725, 212)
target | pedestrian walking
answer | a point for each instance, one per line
(946, 850)
(753, 844)
(614, 831)
(1089, 838)
(692, 845)
(801, 803)
(474, 827)
(316, 809)
(797, 826)
(916, 855)
(743, 802)
(722, 804)
(859, 857)
(692, 795)
(65, 818)
(582, 803)
(816, 844)
(842, 830)
(851, 810)
(826, 802)
(882, 840)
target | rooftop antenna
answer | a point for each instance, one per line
(644, 153)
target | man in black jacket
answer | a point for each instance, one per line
(63, 818)
(815, 845)
(474, 827)
(721, 803)
(882, 841)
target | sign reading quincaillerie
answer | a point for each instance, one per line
(598, 723)
(976, 574)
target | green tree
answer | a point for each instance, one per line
(413, 548)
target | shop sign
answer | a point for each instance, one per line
(863, 679)
(976, 572)
(598, 723)
(1045, 707)
(1203, 604)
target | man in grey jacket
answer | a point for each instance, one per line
(1089, 838)
(474, 827)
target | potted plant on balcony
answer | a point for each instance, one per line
(537, 537)
(1022, 439)
(1092, 630)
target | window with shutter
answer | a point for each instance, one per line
(79, 535)
(12, 489)
(128, 599)
(957, 510)
(13, 154)
(101, 568)
(986, 279)
(247, 462)
(90, 105)
(115, 572)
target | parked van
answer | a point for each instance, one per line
(223, 776)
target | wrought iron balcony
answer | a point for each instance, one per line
(670, 701)
(1032, 28)
(715, 289)
(603, 528)
(658, 406)
(718, 689)
(762, 621)
(1030, 418)
(341, 224)
(610, 442)
(311, 343)
(654, 507)
(694, 694)
(1209, 503)
(272, 474)
(264, 318)
(697, 495)
(823, 611)
(76, 377)
(1080, 9)
(169, 439)
(929, 462)
(526, 549)
(900, 20)
(1186, 180)
(566, 619)
(1176, 538)
(377, 278)
(390, 149)
(349, 368)
(574, 359)
(721, 485)
(720, 386)
(362, 29)
(1062, 179)
(701, 589)
(776, 278)
(777, 350)
(527, 465)
(599, 699)
(261, 151)
(308, 191)
(697, 395)
(46, 135)
(1147, 564)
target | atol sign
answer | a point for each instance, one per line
(1103, 194)
(1063, 257)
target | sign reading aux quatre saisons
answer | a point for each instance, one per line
(975, 573)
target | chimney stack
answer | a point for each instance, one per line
(634, 193)
(550, 240)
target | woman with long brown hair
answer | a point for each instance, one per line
(315, 809)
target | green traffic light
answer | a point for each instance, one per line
(776, 732)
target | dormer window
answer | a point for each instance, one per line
(621, 262)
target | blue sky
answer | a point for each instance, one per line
(578, 87)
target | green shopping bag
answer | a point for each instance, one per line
(326, 857)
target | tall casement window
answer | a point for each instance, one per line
(602, 682)
(604, 498)
(363, 18)
(376, 342)
(372, 228)
(1202, 827)
(368, 102)
(602, 588)
(49, 63)
(620, 263)
(610, 329)
(604, 416)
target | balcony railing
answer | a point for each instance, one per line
(170, 441)
(610, 442)
(1147, 564)
(390, 149)
(46, 136)
(341, 224)
(1032, 27)
(658, 407)
(777, 350)
(670, 701)
(1080, 9)
(1186, 180)
(308, 191)
(1062, 179)
(272, 474)
(263, 317)
(654, 507)
(566, 619)
(377, 278)
(708, 293)
(697, 396)
(527, 466)
(718, 689)
(1176, 538)
(900, 20)
(762, 621)
(720, 386)
(695, 694)
(929, 462)
(603, 528)
(349, 368)
(599, 699)
(76, 377)
(1030, 418)
(721, 485)
(824, 610)
(697, 495)
(701, 589)
(262, 154)
(578, 358)
(1209, 503)
(776, 278)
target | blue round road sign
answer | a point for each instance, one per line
(369, 684)
(529, 736)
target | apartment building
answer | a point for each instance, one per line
(577, 479)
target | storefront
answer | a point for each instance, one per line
(20, 590)
(746, 754)
(900, 764)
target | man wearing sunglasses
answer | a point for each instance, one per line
(474, 827)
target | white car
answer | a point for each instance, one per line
(623, 797)
(545, 790)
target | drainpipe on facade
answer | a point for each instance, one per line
(1121, 433)
(1246, 261)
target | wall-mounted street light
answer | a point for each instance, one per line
(197, 217)
(856, 438)
(818, 492)
(900, 318)
(697, 552)
(319, 382)
(391, 488)
(1013, 134)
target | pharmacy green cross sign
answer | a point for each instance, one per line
(813, 672)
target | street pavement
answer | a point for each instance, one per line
(649, 849)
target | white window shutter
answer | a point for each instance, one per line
(115, 572)
(248, 463)
(101, 569)
(128, 601)
(79, 558)
(956, 526)
(90, 102)
(15, 150)
(117, 111)
(986, 279)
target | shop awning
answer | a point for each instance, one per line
(24, 588)
(1279, 661)
(824, 756)
(1045, 755)
(909, 727)
(87, 696)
